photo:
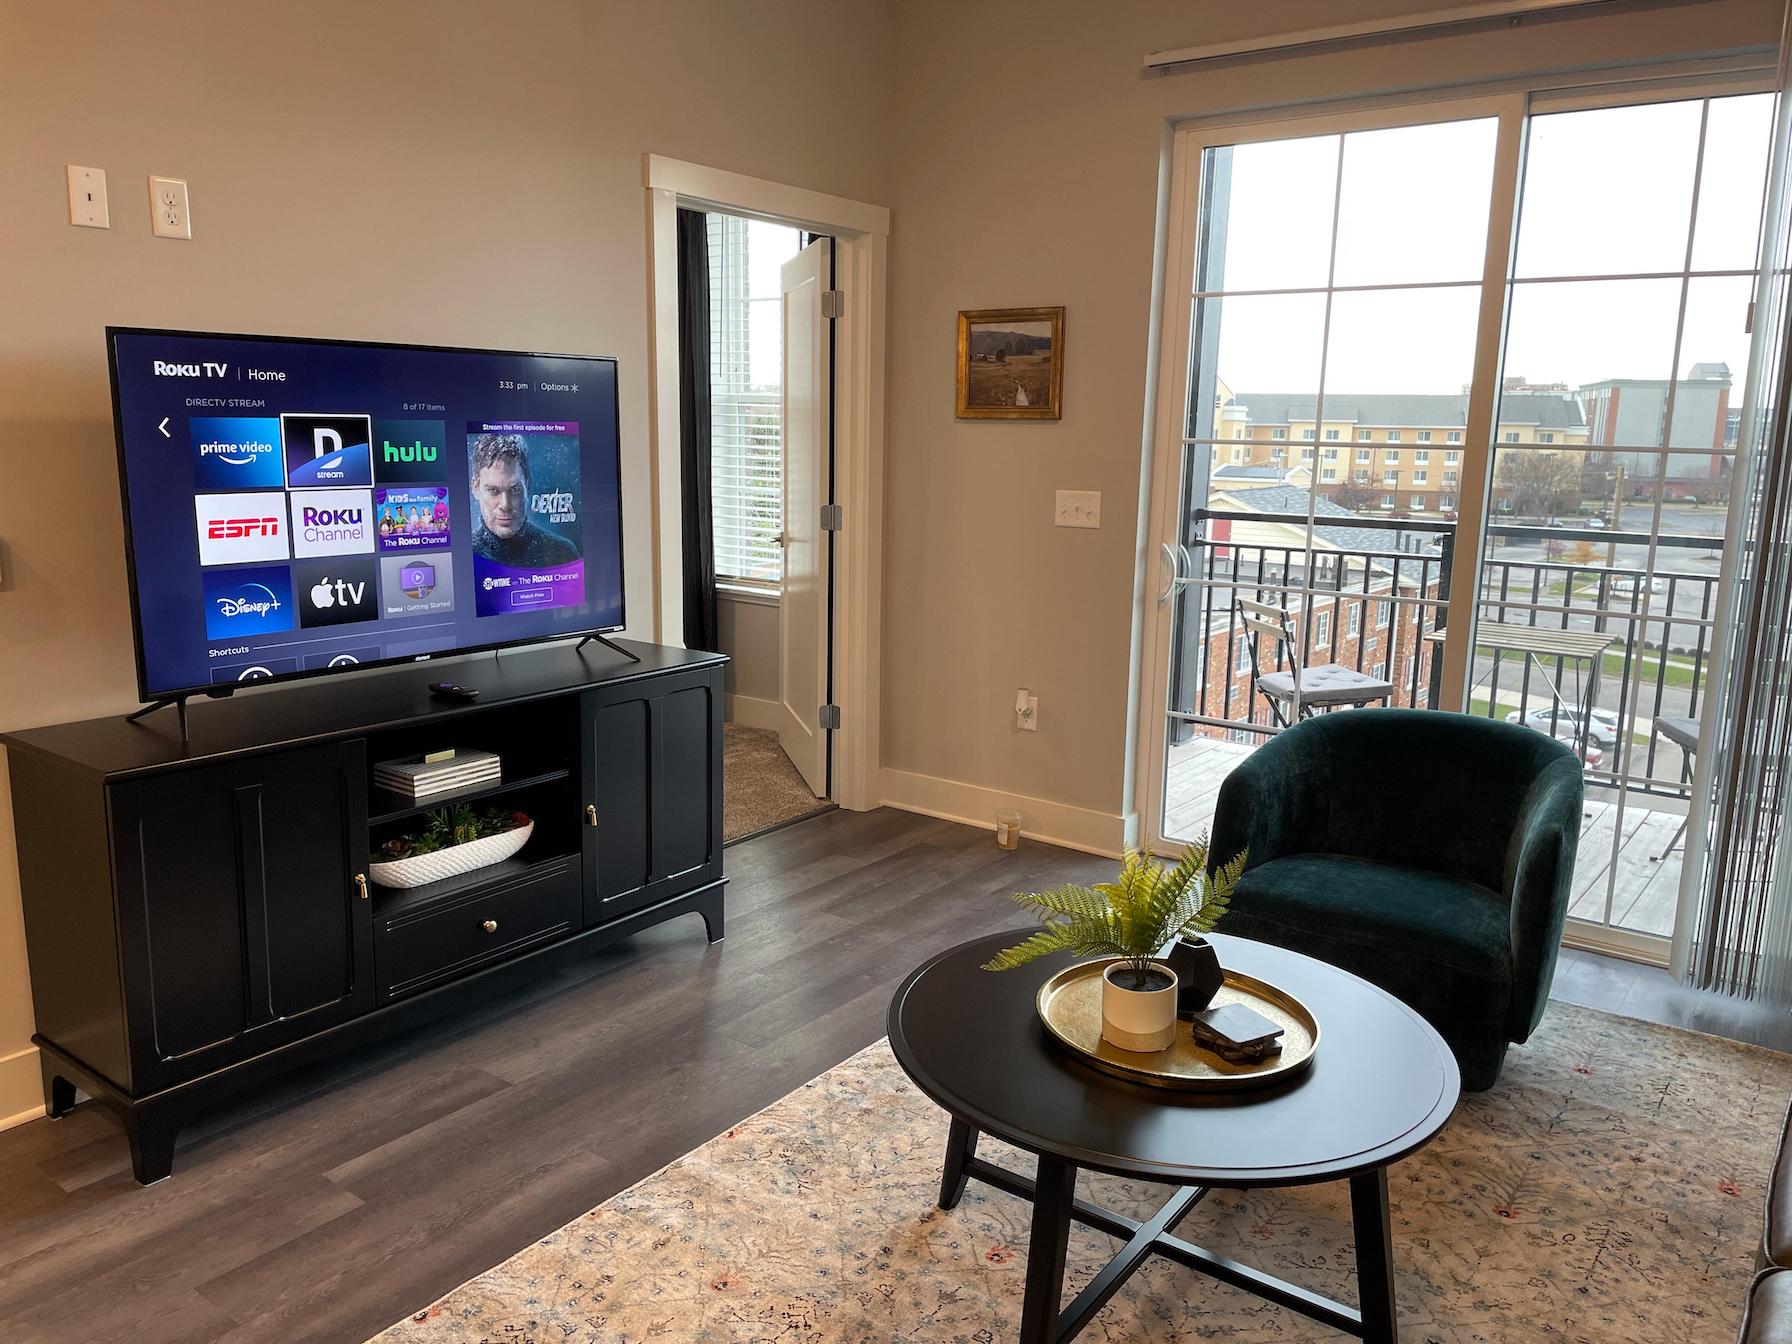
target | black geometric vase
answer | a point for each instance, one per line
(1198, 974)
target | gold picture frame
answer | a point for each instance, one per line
(1011, 364)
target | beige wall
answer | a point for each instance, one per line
(463, 171)
(1027, 174)
(450, 172)
(748, 634)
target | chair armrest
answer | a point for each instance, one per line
(1539, 883)
(1274, 803)
(1768, 1319)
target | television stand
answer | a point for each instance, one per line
(203, 918)
(607, 644)
(180, 704)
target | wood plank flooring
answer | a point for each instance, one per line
(323, 1208)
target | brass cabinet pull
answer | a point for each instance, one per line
(361, 884)
(490, 926)
(591, 814)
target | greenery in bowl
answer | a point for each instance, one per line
(447, 826)
(1133, 917)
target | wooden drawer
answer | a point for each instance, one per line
(420, 946)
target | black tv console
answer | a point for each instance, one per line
(198, 916)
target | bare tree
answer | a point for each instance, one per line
(1539, 482)
(1353, 495)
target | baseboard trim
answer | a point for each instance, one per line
(21, 1088)
(1051, 823)
(750, 711)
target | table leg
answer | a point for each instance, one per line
(1374, 1256)
(1053, 1194)
(961, 1147)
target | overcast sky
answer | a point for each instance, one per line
(1607, 192)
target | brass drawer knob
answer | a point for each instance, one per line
(591, 814)
(490, 926)
(361, 884)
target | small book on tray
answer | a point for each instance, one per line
(420, 777)
(1236, 1033)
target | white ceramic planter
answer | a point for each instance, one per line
(421, 869)
(1138, 1020)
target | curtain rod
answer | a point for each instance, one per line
(1426, 21)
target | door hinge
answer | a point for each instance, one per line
(833, 304)
(833, 517)
(1748, 322)
(830, 716)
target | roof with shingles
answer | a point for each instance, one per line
(1288, 499)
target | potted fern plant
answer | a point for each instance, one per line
(1133, 919)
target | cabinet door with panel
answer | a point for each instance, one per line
(243, 916)
(653, 778)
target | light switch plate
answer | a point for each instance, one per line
(168, 217)
(1078, 508)
(87, 197)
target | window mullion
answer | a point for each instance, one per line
(1476, 475)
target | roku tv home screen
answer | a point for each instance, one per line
(297, 506)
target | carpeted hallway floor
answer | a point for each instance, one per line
(760, 787)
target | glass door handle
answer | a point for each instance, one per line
(1175, 581)
(1186, 569)
(1182, 570)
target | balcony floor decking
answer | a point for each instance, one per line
(1643, 896)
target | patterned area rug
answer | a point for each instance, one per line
(1609, 1189)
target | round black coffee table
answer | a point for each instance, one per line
(1381, 1086)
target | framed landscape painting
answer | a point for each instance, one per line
(1011, 364)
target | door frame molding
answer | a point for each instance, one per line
(861, 236)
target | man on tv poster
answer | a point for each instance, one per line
(524, 479)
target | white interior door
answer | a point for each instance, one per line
(808, 413)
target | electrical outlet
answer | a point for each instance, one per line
(87, 197)
(1078, 508)
(168, 216)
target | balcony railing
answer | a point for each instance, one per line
(1372, 607)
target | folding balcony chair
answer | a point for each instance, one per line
(1683, 733)
(1295, 693)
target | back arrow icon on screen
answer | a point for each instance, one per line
(164, 428)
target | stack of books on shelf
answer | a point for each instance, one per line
(421, 777)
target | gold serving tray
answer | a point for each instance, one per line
(1070, 1007)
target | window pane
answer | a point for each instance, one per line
(1256, 365)
(1613, 340)
(1390, 234)
(1268, 217)
(1713, 362)
(1417, 343)
(1731, 182)
(1693, 490)
(1533, 484)
(746, 357)
(1608, 191)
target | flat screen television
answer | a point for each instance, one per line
(300, 507)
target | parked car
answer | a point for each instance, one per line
(1631, 583)
(1565, 723)
(1591, 754)
(1595, 522)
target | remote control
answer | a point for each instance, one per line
(449, 690)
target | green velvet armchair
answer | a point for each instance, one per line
(1429, 853)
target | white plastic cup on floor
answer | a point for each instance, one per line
(1007, 828)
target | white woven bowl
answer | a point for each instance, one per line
(421, 869)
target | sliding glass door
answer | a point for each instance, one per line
(1627, 340)
(1408, 358)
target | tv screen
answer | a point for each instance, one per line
(295, 507)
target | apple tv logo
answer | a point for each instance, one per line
(339, 590)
